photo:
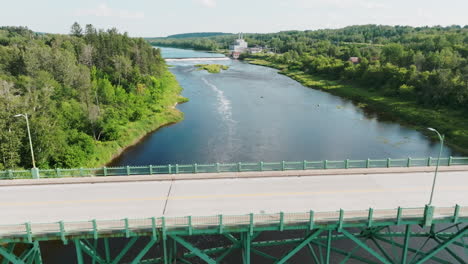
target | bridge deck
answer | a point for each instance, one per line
(83, 202)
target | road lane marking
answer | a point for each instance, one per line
(244, 195)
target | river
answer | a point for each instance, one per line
(251, 113)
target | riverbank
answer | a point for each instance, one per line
(452, 123)
(133, 132)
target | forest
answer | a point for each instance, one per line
(87, 94)
(415, 73)
(428, 64)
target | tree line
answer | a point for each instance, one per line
(425, 64)
(79, 90)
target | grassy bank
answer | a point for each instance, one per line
(135, 131)
(212, 68)
(454, 124)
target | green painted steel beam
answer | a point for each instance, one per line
(246, 246)
(436, 259)
(91, 252)
(406, 244)
(344, 253)
(329, 240)
(450, 252)
(263, 254)
(10, 256)
(11, 248)
(125, 250)
(365, 247)
(299, 247)
(143, 252)
(79, 252)
(443, 245)
(193, 249)
(226, 253)
(312, 253)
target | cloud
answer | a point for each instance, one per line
(103, 10)
(207, 3)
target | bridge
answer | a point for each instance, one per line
(378, 207)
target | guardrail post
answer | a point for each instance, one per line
(251, 221)
(428, 215)
(409, 162)
(347, 164)
(153, 228)
(104, 170)
(62, 233)
(10, 174)
(151, 169)
(169, 167)
(35, 173)
(281, 227)
(128, 170)
(456, 213)
(261, 165)
(190, 230)
(429, 161)
(239, 168)
(195, 168)
(304, 165)
(311, 220)
(221, 228)
(28, 232)
(399, 213)
(450, 161)
(388, 162)
(81, 172)
(340, 223)
(369, 217)
(325, 164)
(368, 163)
(95, 231)
(57, 172)
(127, 228)
(283, 165)
(163, 227)
(217, 167)
(177, 169)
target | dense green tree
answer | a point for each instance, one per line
(78, 90)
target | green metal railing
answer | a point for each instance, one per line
(189, 225)
(231, 167)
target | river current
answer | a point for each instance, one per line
(251, 113)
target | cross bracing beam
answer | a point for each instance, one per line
(444, 223)
(31, 254)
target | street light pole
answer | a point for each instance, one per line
(441, 138)
(29, 135)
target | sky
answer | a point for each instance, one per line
(158, 18)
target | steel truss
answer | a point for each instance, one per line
(400, 239)
(384, 244)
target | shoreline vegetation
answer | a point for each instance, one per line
(405, 112)
(107, 152)
(88, 95)
(212, 68)
(415, 75)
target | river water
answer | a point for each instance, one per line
(251, 113)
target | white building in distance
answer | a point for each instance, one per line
(239, 44)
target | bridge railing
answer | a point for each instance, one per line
(233, 167)
(276, 221)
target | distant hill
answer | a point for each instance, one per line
(198, 35)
